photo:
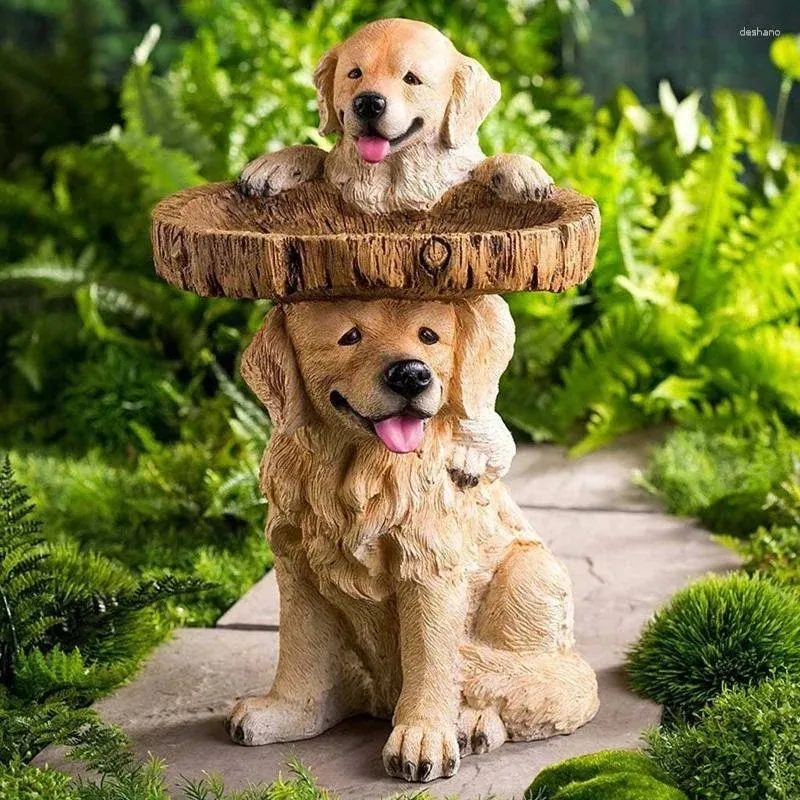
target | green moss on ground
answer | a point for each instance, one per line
(607, 775)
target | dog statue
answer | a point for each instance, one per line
(407, 107)
(402, 596)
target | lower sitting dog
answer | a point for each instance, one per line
(402, 596)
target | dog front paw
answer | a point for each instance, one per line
(421, 753)
(466, 466)
(274, 173)
(515, 178)
(264, 720)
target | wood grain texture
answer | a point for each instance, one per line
(309, 244)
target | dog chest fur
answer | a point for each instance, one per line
(364, 517)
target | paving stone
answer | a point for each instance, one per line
(545, 476)
(258, 608)
(623, 566)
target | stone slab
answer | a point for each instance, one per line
(258, 608)
(546, 476)
(623, 566)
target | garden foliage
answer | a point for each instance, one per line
(73, 625)
(745, 745)
(718, 633)
(119, 394)
(607, 775)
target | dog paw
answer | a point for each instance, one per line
(515, 178)
(480, 731)
(264, 720)
(421, 753)
(466, 466)
(274, 173)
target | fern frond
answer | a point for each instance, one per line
(626, 191)
(764, 251)
(26, 591)
(704, 204)
(611, 360)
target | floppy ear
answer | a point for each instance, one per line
(323, 82)
(484, 346)
(474, 96)
(269, 368)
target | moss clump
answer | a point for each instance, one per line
(718, 633)
(608, 775)
(745, 745)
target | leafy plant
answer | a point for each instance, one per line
(718, 633)
(746, 744)
(775, 552)
(724, 476)
(73, 626)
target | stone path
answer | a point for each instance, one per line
(626, 558)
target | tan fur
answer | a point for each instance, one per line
(402, 596)
(453, 99)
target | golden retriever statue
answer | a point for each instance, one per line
(407, 107)
(402, 596)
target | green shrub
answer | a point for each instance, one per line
(745, 745)
(723, 477)
(718, 633)
(138, 515)
(775, 552)
(607, 775)
(74, 626)
(21, 782)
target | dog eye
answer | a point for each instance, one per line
(353, 336)
(411, 79)
(354, 73)
(427, 336)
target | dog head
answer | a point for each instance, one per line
(397, 82)
(379, 368)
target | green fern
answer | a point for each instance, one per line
(704, 204)
(27, 612)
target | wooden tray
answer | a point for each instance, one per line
(308, 244)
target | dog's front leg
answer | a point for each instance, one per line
(311, 691)
(423, 744)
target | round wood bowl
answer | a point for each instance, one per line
(308, 244)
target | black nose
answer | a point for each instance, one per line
(369, 105)
(408, 378)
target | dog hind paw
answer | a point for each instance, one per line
(479, 731)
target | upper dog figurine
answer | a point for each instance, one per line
(406, 106)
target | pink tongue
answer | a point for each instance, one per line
(400, 434)
(372, 148)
